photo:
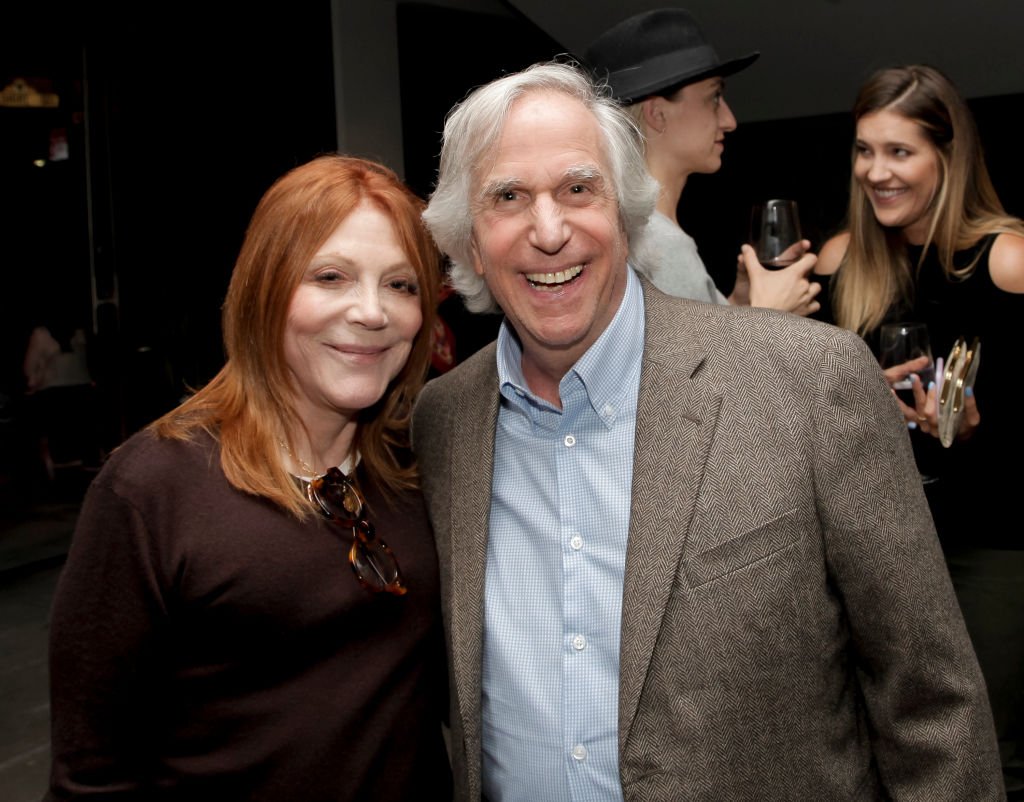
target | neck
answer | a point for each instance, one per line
(669, 207)
(543, 378)
(313, 449)
(668, 198)
(915, 235)
(672, 181)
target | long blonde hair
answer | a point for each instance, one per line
(247, 406)
(875, 273)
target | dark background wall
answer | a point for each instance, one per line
(176, 122)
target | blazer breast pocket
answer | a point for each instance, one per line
(743, 550)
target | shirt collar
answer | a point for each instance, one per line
(604, 370)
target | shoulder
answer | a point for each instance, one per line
(452, 411)
(1006, 263)
(740, 333)
(477, 374)
(669, 315)
(668, 257)
(832, 253)
(664, 227)
(466, 374)
(660, 241)
(146, 464)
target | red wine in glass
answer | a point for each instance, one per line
(775, 233)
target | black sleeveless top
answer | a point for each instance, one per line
(971, 486)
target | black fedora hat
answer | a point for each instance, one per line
(654, 51)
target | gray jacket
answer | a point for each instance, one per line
(789, 629)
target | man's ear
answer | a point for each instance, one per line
(474, 251)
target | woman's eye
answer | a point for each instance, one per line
(329, 276)
(408, 286)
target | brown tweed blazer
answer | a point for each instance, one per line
(789, 629)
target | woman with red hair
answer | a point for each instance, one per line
(249, 610)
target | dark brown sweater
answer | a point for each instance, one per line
(206, 645)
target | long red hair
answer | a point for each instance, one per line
(247, 405)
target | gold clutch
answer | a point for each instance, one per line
(960, 371)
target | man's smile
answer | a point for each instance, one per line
(554, 279)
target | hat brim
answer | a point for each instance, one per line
(626, 91)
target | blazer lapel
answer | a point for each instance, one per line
(472, 464)
(675, 426)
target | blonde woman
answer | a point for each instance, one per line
(928, 240)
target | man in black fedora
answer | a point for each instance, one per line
(659, 64)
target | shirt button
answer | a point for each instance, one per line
(579, 752)
(570, 441)
(579, 643)
(576, 542)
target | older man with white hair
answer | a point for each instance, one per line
(684, 550)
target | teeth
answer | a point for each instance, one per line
(555, 278)
(889, 193)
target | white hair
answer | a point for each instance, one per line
(472, 130)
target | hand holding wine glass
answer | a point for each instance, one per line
(773, 269)
(904, 351)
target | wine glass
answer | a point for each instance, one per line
(775, 233)
(899, 343)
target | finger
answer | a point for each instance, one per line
(749, 258)
(804, 265)
(897, 373)
(972, 417)
(908, 412)
(926, 412)
(929, 406)
(920, 398)
(900, 371)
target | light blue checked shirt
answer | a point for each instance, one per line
(556, 556)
